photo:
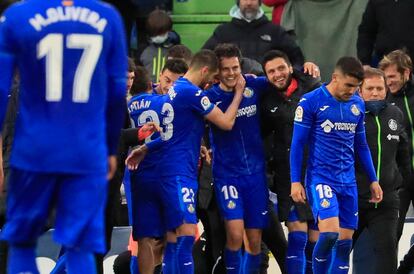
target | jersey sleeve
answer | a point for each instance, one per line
(261, 84)
(200, 103)
(304, 113)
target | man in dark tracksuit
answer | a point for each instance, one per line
(397, 67)
(388, 143)
(277, 113)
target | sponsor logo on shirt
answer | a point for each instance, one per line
(328, 126)
(247, 111)
(393, 137)
(299, 114)
(266, 37)
(355, 111)
(392, 124)
(324, 108)
(205, 102)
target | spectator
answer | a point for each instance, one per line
(386, 25)
(278, 6)
(388, 143)
(161, 38)
(180, 52)
(254, 34)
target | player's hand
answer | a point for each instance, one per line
(297, 192)
(205, 154)
(376, 192)
(240, 85)
(311, 69)
(111, 167)
(147, 129)
(135, 157)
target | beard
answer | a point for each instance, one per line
(250, 14)
(285, 86)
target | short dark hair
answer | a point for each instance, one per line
(350, 66)
(227, 50)
(273, 54)
(177, 66)
(131, 65)
(205, 57)
(142, 81)
(158, 22)
(180, 52)
(399, 58)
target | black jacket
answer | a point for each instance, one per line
(256, 38)
(388, 144)
(386, 25)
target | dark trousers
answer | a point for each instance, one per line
(382, 226)
(406, 198)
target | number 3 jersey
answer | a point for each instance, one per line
(71, 58)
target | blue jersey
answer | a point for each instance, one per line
(184, 129)
(71, 57)
(240, 150)
(332, 126)
(145, 108)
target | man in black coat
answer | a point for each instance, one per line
(388, 143)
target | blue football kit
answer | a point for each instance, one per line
(71, 58)
(238, 157)
(332, 130)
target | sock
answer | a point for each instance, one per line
(22, 259)
(60, 267)
(251, 263)
(295, 256)
(322, 251)
(233, 261)
(169, 262)
(80, 262)
(340, 259)
(133, 265)
(308, 253)
(185, 254)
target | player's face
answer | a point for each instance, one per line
(346, 86)
(279, 73)
(209, 78)
(130, 80)
(229, 72)
(394, 79)
(167, 79)
(249, 8)
(373, 89)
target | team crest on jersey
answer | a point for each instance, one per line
(248, 92)
(392, 124)
(190, 208)
(231, 205)
(205, 102)
(325, 203)
(299, 114)
(355, 111)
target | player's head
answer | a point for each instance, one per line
(373, 86)
(229, 57)
(278, 69)
(180, 52)
(204, 66)
(397, 66)
(249, 8)
(346, 78)
(159, 23)
(172, 70)
(142, 82)
(131, 73)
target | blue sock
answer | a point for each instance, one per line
(340, 259)
(185, 254)
(80, 262)
(22, 259)
(60, 267)
(169, 262)
(133, 265)
(308, 252)
(322, 251)
(295, 256)
(251, 263)
(233, 261)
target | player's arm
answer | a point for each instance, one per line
(136, 136)
(227, 119)
(364, 154)
(301, 130)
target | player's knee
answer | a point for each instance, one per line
(327, 240)
(234, 239)
(186, 230)
(297, 226)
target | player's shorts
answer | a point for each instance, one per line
(302, 213)
(162, 204)
(79, 200)
(244, 197)
(334, 201)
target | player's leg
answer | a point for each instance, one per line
(230, 204)
(324, 204)
(313, 236)
(169, 263)
(30, 197)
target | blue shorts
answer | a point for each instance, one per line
(334, 201)
(163, 204)
(245, 198)
(79, 200)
